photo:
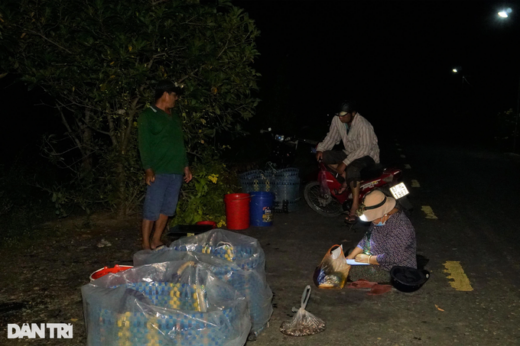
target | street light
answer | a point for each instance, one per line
(464, 80)
(505, 14)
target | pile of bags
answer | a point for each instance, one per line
(208, 289)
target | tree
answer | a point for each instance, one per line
(99, 60)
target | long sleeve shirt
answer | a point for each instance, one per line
(161, 142)
(359, 142)
(393, 244)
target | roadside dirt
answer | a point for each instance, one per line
(41, 279)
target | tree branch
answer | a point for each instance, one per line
(69, 130)
(111, 130)
(45, 38)
(225, 46)
(154, 3)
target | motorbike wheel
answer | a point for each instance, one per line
(326, 207)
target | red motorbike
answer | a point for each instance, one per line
(323, 197)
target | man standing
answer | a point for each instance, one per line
(361, 150)
(161, 144)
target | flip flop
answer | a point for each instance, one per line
(162, 246)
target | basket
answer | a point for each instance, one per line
(242, 256)
(287, 173)
(287, 190)
(237, 260)
(106, 270)
(250, 283)
(190, 325)
(256, 181)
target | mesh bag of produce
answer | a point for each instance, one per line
(303, 323)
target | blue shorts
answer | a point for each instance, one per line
(162, 196)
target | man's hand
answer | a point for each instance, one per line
(149, 176)
(341, 168)
(319, 155)
(187, 174)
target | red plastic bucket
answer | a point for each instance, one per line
(237, 210)
(211, 223)
(106, 270)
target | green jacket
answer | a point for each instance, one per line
(161, 142)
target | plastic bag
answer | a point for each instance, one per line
(234, 258)
(303, 323)
(324, 187)
(333, 269)
(172, 303)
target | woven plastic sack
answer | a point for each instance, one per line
(303, 323)
(324, 187)
(174, 303)
(332, 272)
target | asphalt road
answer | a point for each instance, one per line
(472, 297)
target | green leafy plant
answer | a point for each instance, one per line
(203, 198)
(100, 60)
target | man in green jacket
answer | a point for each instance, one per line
(161, 144)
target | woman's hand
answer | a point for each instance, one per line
(354, 253)
(362, 258)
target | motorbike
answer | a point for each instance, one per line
(283, 151)
(323, 196)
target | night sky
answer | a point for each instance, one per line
(394, 57)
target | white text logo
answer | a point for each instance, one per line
(43, 330)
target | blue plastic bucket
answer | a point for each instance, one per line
(261, 209)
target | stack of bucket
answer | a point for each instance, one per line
(243, 209)
(287, 190)
(263, 194)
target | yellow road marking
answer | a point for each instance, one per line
(404, 157)
(429, 212)
(407, 166)
(460, 281)
(415, 183)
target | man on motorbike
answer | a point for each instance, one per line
(361, 150)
